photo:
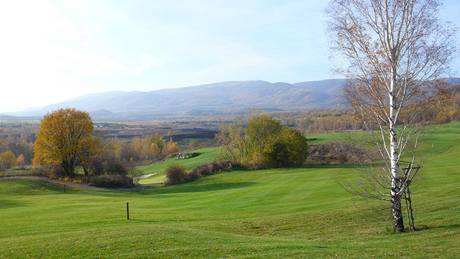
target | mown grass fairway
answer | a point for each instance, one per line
(267, 213)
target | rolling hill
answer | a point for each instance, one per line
(224, 98)
(218, 98)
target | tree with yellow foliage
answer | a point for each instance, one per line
(21, 161)
(7, 160)
(65, 138)
(156, 145)
(171, 147)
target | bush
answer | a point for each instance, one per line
(96, 167)
(192, 176)
(339, 153)
(290, 149)
(113, 180)
(51, 171)
(56, 172)
(213, 168)
(175, 174)
(115, 168)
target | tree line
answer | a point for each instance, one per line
(66, 147)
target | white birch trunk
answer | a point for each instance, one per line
(398, 223)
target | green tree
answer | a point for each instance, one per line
(263, 143)
(290, 149)
(156, 145)
(260, 135)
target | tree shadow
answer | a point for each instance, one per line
(426, 227)
(8, 204)
(204, 187)
(334, 166)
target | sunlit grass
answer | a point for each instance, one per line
(275, 213)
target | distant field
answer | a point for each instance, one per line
(275, 213)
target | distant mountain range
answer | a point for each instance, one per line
(235, 97)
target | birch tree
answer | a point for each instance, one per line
(392, 50)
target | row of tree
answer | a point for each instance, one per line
(21, 147)
(440, 102)
(8, 160)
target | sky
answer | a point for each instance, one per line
(51, 51)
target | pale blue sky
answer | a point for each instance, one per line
(56, 50)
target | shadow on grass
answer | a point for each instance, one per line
(191, 187)
(30, 186)
(425, 227)
(333, 166)
(205, 187)
(8, 204)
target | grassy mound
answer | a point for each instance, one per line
(266, 213)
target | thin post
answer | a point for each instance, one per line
(411, 211)
(127, 210)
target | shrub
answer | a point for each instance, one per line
(290, 149)
(175, 174)
(96, 167)
(192, 176)
(115, 168)
(55, 172)
(215, 167)
(112, 180)
(339, 153)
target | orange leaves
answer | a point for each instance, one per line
(64, 138)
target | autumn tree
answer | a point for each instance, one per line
(20, 161)
(65, 138)
(156, 145)
(393, 50)
(7, 160)
(111, 149)
(148, 148)
(140, 148)
(170, 147)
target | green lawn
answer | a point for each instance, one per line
(279, 213)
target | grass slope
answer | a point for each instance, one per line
(158, 169)
(267, 213)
